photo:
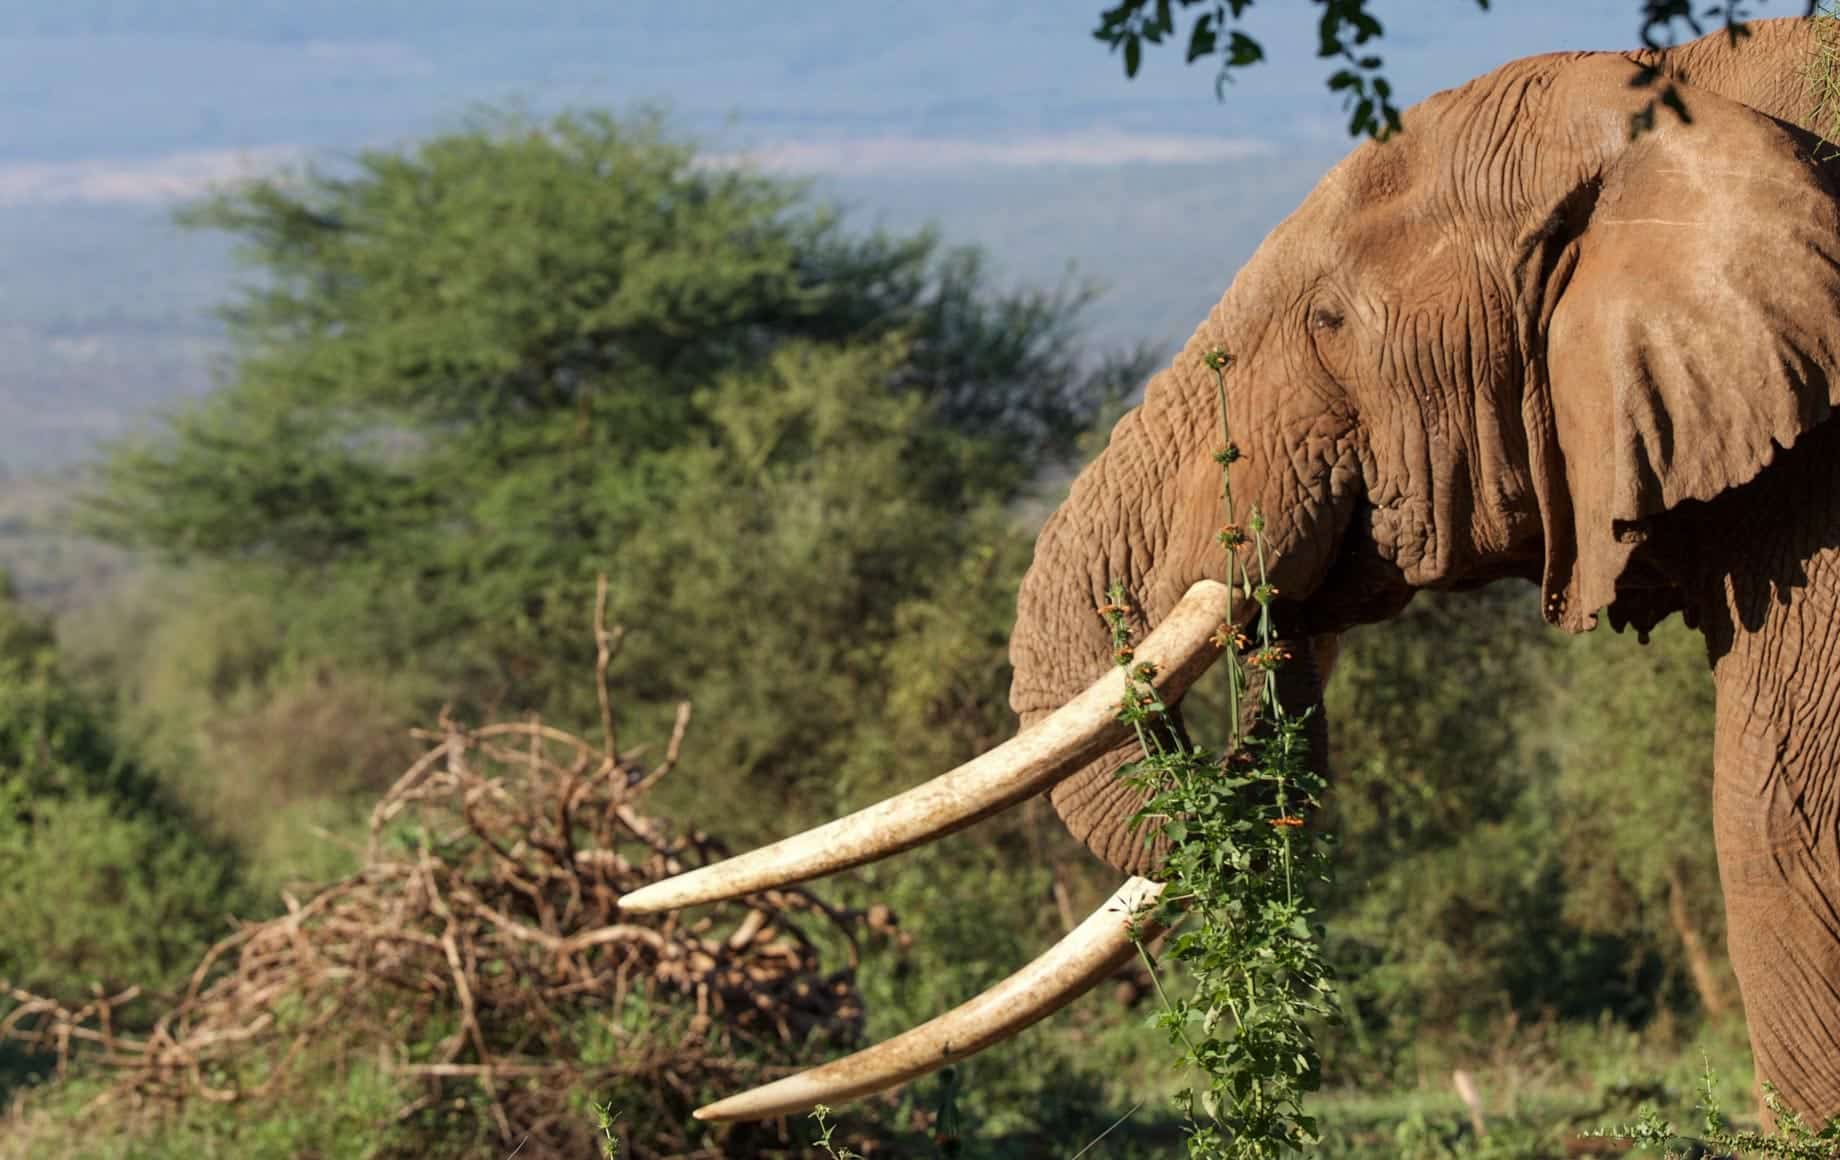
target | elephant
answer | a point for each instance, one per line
(1517, 339)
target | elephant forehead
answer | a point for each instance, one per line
(1354, 216)
(1373, 173)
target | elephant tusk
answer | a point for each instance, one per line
(1069, 969)
(1182, 647)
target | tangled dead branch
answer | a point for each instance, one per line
(478, 952)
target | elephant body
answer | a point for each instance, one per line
(1519, 340)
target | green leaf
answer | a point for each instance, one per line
(1164, 24)
(1243, 50)
(1201, 38)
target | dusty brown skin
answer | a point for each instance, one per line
(1514, 342)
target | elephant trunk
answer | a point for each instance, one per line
(1143, 517)
(1153, 496)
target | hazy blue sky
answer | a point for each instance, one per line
(163, 88)
(1003, 122)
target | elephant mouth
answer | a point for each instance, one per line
(1363, 585)
(1181, 649)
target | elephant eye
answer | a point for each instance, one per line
(1323, 318)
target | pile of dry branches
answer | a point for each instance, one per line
(479, 953)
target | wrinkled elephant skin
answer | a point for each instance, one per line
(1518, 340)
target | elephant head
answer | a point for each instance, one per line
(1515, 340)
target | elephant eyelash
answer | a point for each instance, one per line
(1322, 318)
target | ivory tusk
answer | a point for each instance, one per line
(1181, 648)
(1069, 969)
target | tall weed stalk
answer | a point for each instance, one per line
(1243, 863)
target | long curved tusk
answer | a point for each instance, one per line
(1069, 969)
(1181, 648)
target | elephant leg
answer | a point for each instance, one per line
(1774, 637)
(1782, 905)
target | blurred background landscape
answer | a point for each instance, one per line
(344, 345)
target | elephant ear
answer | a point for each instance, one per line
(1691, 284)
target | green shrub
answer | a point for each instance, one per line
(104, 878)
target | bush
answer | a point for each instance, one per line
(473, 989)
(104, 878)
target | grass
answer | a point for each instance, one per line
(606, 1119)
(1543, 1088)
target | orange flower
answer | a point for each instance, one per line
(1226, 635)
(1287, 821)
(1268, 658)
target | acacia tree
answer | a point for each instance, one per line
(469, 375)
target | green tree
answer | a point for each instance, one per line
(1523, 822)
(1633, 801)
(1433, 766)
(471, 374)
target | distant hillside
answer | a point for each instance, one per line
(105, 315)
(106, 311)
(1165, 240)
(47, 565)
